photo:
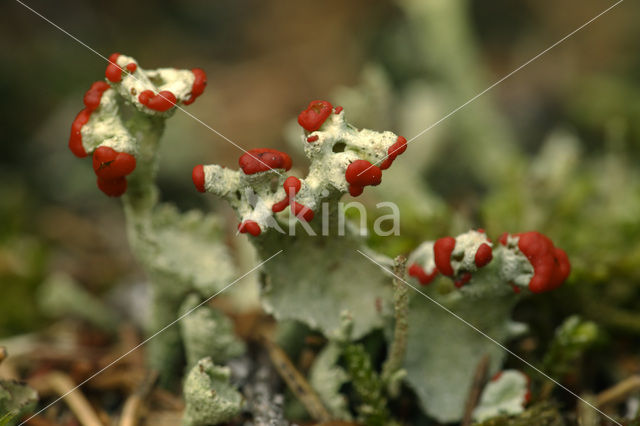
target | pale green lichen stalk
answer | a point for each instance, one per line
(442, 357)
(207, 332)
(182, 253)
(209, 397)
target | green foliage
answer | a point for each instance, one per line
(16, 400)
(571, 340)
(367, 384)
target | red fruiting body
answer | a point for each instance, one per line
(503, 238)
(312, 138)
(75, 140)
(113, 187)
(199, 83)
(399, 147)
(131, 67)
(162, 102)
(291, 187)
(515, 288)
(316, 113)
(110, 164)
(302, 211)
(362, 173)
(465, 278)
(111, 167)
(113, 71)
(249, 226)
(280, 205)
(419, 273)
(263, 159)
(550, 264)
(91, 101)
(198, 177)
(483, 255)
(442, 250)
(338, 109)
(93, 96)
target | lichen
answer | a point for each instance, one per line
(441, 359)
(505, 395)
(182, 253)
(207, 332)
(209, 397)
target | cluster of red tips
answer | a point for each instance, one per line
(338, 110)
(262, 159)
(91, 102)
(249, 226)
(394, 150)
(198, 177)
(291, 187)
(312, 138)
(316, 113)
(442, 250)
(199, 83)
(131, 67)
(362, 173)
(551, 265)
(111, 167)
(162, 102)
(113, 71)
(421, 275)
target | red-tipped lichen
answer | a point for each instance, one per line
(421, 275)
(262, 159)
(362, 173)
(111, 167)
(161, 102)
(198, 177)
(312, 118)
(442, 254)
(199, 83)
(113, 71)
(550, 264)
(251, 227)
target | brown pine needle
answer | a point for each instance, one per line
(296, 382)
(59, 383)
(479, 379)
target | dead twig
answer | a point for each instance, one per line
(479, 378)
(135, 401)
(619, 392)
(296, 382)
(59, 383)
